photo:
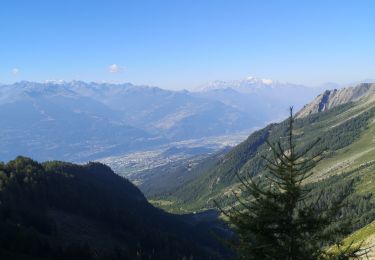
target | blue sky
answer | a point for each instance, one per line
(182, 44)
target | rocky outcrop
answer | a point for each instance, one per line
(333, 98)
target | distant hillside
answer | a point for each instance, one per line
(58, 210)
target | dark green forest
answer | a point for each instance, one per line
(58, 210)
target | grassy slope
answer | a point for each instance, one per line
(365, 235)
(358, 157)
(360, 152)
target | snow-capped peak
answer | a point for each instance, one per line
(249, 84)
(252, 79)
(55, 81)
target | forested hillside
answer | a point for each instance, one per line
(58, 210)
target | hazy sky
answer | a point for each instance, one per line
(182, 44)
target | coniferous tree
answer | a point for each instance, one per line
(276, 221)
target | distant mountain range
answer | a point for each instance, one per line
(80, 121)
(267, 98)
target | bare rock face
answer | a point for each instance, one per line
(333, 98)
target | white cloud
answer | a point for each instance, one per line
(114, 68)
(15, 71)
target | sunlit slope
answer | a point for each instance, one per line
(347, 135)
(359, 153)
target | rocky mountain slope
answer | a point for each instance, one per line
(333, 98)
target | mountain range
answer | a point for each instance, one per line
(80, 121)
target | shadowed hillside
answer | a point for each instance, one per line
(58, 210)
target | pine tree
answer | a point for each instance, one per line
(276, 221)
